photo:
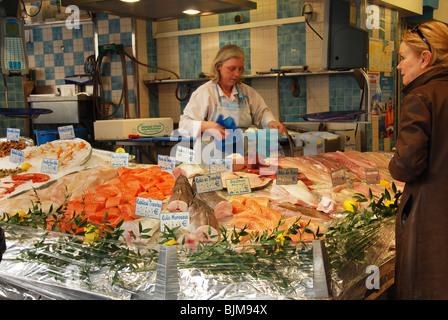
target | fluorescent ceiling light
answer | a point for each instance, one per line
(130, 0)
(191, 11)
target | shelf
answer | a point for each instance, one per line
(358, 73)
(56, 23)
(254, 76)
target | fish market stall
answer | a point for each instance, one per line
(98, 230)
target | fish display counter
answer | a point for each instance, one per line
(143, 232)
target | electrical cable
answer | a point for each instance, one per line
(26, 12)
(98, 100)
(162, 69)
(306, 19)
(291, 142)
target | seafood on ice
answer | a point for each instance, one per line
(309, 204)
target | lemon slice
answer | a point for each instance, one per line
(384, 183)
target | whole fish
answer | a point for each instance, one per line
(181, 196)
(223, 209)
(201, 214)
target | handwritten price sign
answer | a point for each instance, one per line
(238, 186)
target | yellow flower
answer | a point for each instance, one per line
(171, 242)
(280, 238)
(21, 215)
(90, 232)
(388, 203)
(349, 205)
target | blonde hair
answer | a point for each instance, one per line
(226, 52)
(436, 33)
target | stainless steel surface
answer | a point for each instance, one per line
(156, 10)
(66, 110)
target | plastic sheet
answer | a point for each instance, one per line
(46, 265)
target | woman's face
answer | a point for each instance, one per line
(411, 63)
(231, 71)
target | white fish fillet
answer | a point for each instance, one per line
(295, 194)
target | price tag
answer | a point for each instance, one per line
(13, 134)
(185, 155)
(287, 176)
(372, 176)
(148, 208)
(66, 132)
(220, 165)
(49, 165)
(174, 219)
(16, 156)
(167, 163)
(119, 159)
(208, 182)
(338, 177)
(238, 186)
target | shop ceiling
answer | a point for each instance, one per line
(159, 10)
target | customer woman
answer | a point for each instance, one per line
(421, 160)
(226, 95)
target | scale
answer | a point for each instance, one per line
(14, 62)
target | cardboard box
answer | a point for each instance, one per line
(121, 129)
(348, 139)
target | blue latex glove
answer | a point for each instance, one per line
(227, 123)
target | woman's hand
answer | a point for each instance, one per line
(213, 129)
(277, 125)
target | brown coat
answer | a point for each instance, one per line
(421, 160)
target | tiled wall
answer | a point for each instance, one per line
(15, 100)
(266, 48)
(56, 52)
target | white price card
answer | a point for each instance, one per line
(167, 163)
(372, 176)
(66, 132)
(49, 165)
(16, 156)
(238, 186)
(185, 155)
(220, 165)
(287, 176)
(13, 134)
(119, 159)
(338, 177)
(172, 220)
(148, 208)
(208, 182)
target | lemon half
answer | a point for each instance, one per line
(349, 205)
